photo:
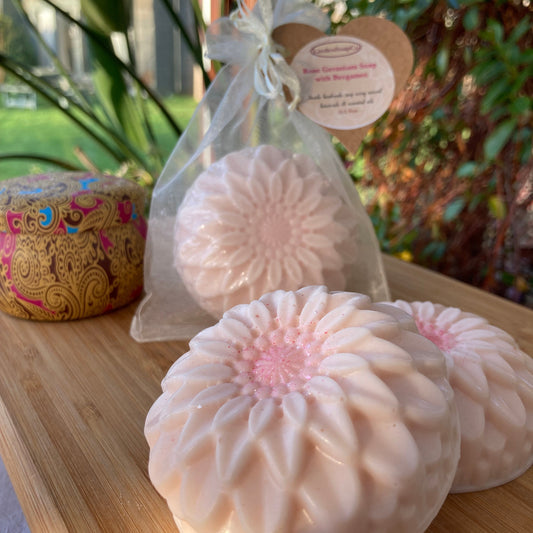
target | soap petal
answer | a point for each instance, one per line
(295, 409)
(332, 430)
(273, 274)
(421, 400)
(210, 374)
(232, 411)
(213, 349)
(195, 439)
(262, 414)
(471, 417)
(287, 309)
(505, 408)
(316, 240)
(261, 505)
(259, 316)
(276, 188)
(293, 271)
(346, 340)
(234, 329)
(233, 453)
(330, 493)
(334, 320)
(284, 450)
(468, 376)
(294, 192)
(202, 501)
(370, 396)
(313, 308)
(391, 454)
(343, 364)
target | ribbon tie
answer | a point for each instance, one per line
(254, 27)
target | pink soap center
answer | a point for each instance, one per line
(274, 231)
(278, 363)
(442, 338)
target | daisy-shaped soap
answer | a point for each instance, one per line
(258, 220)
(493, 384)
(305, 411)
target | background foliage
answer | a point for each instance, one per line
(446, 174)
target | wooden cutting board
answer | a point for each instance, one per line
(74, 397)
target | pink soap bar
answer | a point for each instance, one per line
(258, 220)
(493, 384)
(305, 411)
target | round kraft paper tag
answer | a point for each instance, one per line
(346, 83)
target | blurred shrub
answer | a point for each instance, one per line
(449, 170)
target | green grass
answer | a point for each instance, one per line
(47, 132)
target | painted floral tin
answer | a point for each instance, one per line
(71, 245)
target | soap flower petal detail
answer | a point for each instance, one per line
(493, 384)
(258, 220)
(305, 411)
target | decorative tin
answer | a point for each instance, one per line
(71, 245)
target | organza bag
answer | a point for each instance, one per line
(254, 197)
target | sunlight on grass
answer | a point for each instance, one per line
(47, 132)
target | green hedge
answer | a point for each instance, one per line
(449, 170)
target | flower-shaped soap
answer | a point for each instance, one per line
(493, 384)
(258, 220)
(305, 411)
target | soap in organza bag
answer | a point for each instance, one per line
(254, 197)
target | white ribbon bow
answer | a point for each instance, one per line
(254, 32)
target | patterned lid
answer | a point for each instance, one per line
(64, 203)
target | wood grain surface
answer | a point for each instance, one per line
(74, 397)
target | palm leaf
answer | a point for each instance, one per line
(46, 91)
(105, 19)
(42, 158)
